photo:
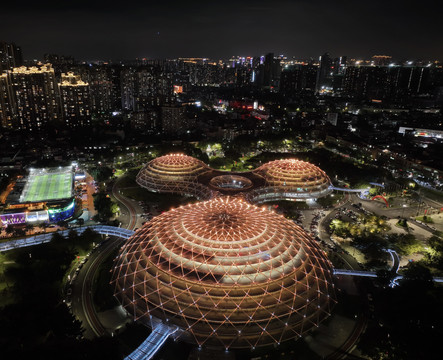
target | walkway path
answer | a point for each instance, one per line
(45, 238)
(153, 342)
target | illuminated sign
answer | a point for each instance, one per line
(178, 89)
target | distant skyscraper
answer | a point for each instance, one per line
(146, 87)
(32, 94)
(325, 72)
(381, 82)
(101, 90)
(7, 110)
(10, 56)
(271, 71)
(75, 101)
(297, 78)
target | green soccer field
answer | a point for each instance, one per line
(43, 186)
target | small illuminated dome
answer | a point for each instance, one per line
(296, 176)
(230, 183)
(231, 274)
(176, 173)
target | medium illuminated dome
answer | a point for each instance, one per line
(231, 274)
(297, 176)
(175, 173)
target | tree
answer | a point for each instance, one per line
(406, 244)
(418, 275)
(64, 323)
(384, 277)
(43, 226)
(9, 229)
(29, 227)
(103, 205)
(103, 173)
(434, 255)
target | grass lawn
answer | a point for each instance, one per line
(6, 296)
(424, 219)
(164, 201)
(128, 179)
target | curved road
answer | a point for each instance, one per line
(82, 297)
(132, 213)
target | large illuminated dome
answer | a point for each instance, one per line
(294, 178)
(174, 173)
(229, 273)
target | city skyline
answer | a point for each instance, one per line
(90, 31)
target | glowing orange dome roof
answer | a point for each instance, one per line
(230, 273)
(295, 174)
(175, 173)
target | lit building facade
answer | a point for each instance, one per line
(32, 97)
(173, 119)
(10, 56)
(75, 101)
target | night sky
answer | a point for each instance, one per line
(92, 30)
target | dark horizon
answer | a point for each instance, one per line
(95, 30)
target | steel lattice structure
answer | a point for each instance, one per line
(174, 173)
(295, 175)
(230, 273)
(231, 182)
(275, 180)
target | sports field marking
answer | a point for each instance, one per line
(48, 186)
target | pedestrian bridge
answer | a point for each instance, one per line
(45, 238)
(348, 189)
(153, 342)
(373, 274)
(355, 273)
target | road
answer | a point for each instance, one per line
(82, 297)
(132, 213)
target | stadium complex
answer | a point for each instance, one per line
(226, 272)
(45, 195)
(288, 179)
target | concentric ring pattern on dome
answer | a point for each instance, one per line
(176, 173)
(230, 273)
(231, 182)
(293, 173)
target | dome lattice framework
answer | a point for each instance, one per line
(291, 178)
(229, 273)
(231, 183)
(174, 173)
(275, 180)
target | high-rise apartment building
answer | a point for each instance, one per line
(380, 82)
(271, 71)
(297, 78)
(101, 90)
(10, 56)
(75, 101)
(173, 119)
(146, 87)
(32, 94)
(325, 72)
(6, 108)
